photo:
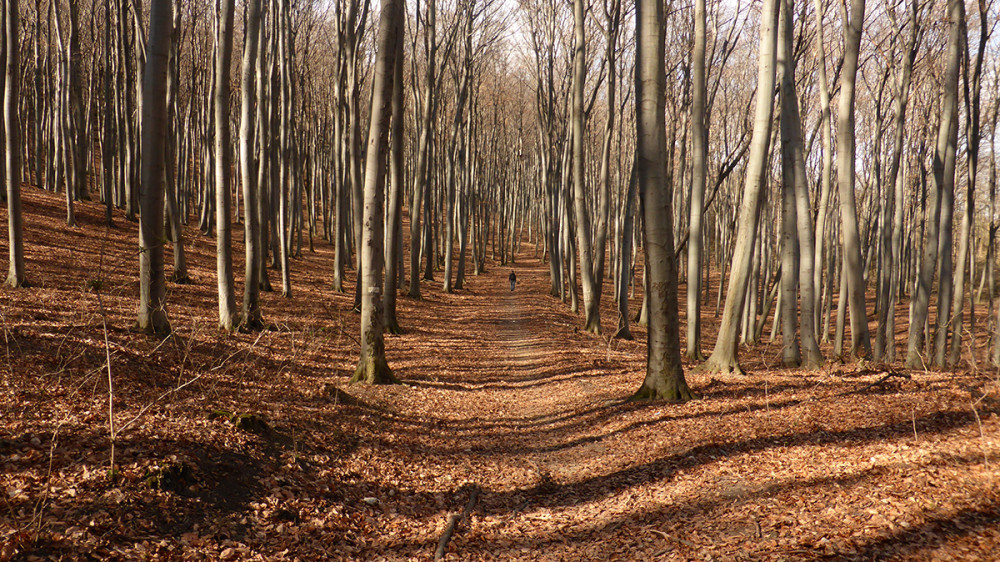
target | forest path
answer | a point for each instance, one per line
(510, 376)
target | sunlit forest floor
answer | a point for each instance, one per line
(251, 445)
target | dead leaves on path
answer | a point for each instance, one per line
(503, 395)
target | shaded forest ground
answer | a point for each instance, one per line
(251, 446)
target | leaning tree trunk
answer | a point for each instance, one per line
(223, 172)
(860, 340)
(372, 366)
(152, 284)
(723, 358)
(664, 373)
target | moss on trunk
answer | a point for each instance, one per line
(372, 370)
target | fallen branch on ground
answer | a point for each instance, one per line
(453, 522)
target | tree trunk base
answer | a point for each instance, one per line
(373, 370)
(672, 391)
(392, 327)
(723, 366)
(252, 322)
(694, 355)
(623, 333)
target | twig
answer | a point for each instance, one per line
(453, 522)
(40, 506)
(982, 436)
(673, 538)
(111, 391)
(886, 377)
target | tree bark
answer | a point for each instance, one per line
(699, 171)
(152, 285)
(723, 358)
(372, 366)
(664, 372)
(223, 168)
(945, 146)
(248, 171)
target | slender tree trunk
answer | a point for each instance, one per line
(180, 274)
(860, 339)
(885, 346)
(12, 132)
(394, 228)
(723, 357)
(372, 366)
(248, 171)
(625, 257)
(972, 131)
(791, 355)
(223, 169)
(944, 147)
(699, 170)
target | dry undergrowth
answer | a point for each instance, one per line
(250, 445)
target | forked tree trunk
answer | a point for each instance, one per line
(860, 340)
(945, 146)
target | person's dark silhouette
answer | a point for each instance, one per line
(513, 280)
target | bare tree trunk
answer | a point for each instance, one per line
(625, 273)
(223, 171)
(791, 356)
(944, 147)
(152, 284)
(699, 171)
(248, 171)
(372, 366)
(860, 340)
(285, 143)
(885, 347)
(180, 274)
(664, 372)
(723, 357)
(12, 132)
(394, 229)
(972, 131)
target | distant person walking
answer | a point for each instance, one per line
(513, 280)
